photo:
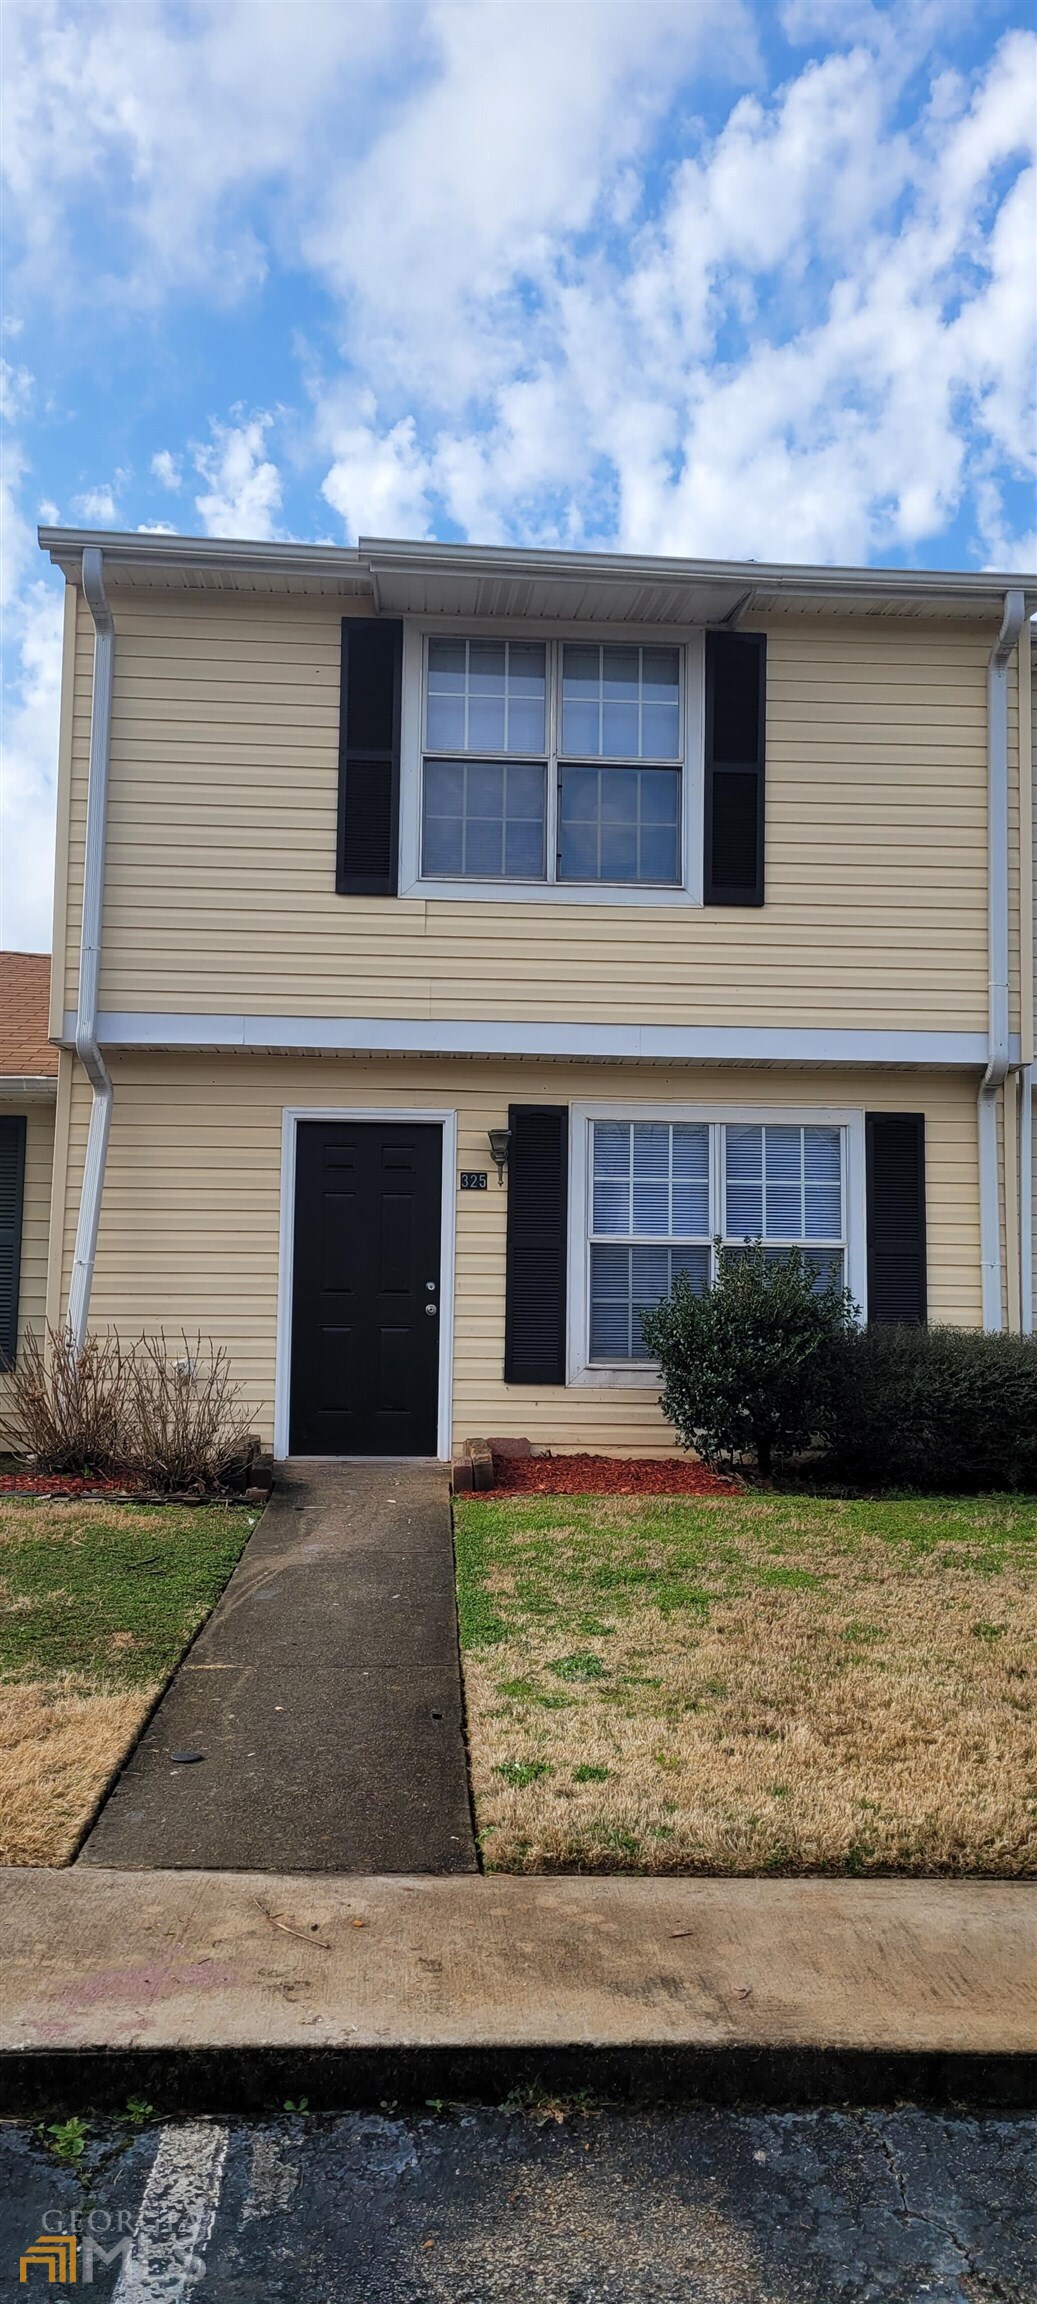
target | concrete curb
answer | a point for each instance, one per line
(227, 2081)
(212, 1991)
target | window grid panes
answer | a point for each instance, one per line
(483, 819)
(650, 1202)
(619, 824)
(661, 1190)
(783, 1183)
(620, 703)
(609, 810)
(486, 696)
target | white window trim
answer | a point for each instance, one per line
(691, 642)
(580, 1372)
(442, 1117)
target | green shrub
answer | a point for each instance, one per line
(746, 1367)
(946, 1408)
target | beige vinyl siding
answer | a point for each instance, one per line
(39, 1160)
(220, 860)
(189, 1235)
(1015, 954)
(1031, 890)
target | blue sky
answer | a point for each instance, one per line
(739, 278)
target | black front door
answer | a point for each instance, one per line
(366, 1293)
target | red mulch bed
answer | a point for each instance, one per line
(59, 1484)
(605, 1476)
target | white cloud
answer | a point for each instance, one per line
(169, 121)
(379, 483)
(244, 487)
(97, 507)
(166, 469)
(32, 616)
(445, 234)
(155, 528)
(15, 390)
(813, 350)
(567, 310)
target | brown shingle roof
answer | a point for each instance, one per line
(24, 1005)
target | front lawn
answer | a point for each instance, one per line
(97, 1604)
(752, 1684)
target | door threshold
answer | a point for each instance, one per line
(362, 1460)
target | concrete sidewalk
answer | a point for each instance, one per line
(323, 1697)
(207, 1989)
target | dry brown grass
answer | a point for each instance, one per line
(59, 1744)
(97, 1603)
(768, 1686)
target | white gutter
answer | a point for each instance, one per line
(361, 565)
(87, 1048)
(29, 1087)
(998, 1054)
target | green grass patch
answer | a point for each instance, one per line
(554, 1559)
(116, 1590)
(521, 1772)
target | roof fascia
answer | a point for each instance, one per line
(766, 580)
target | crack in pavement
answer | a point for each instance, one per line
(987, 2285)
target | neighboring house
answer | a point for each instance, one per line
(28, 1091)
(712, 884)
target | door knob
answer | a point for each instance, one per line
(430, 1311)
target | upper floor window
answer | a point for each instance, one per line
(553, 762)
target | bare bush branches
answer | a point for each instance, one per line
(67, 1407)
(162, 1419)
(185, 1423)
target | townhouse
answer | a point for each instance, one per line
(453, 943)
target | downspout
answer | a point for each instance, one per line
(997, 950)
(1027, 1082)
(87, 1048)
(1028, 983)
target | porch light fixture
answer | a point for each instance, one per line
(500, 1140)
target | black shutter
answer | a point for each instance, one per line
(12, 1193)
(534, 1317)
(896, 1217)
(736, 711)
(369, 756)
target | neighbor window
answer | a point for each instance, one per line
(558, 762)
(661, 1193)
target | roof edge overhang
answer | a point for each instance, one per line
(477, 579)
(28, 1087)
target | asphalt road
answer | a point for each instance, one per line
(470, 2205)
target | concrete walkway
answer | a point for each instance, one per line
(324, 1696)
(228, 1990)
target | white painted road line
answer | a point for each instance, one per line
(177, 2212)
